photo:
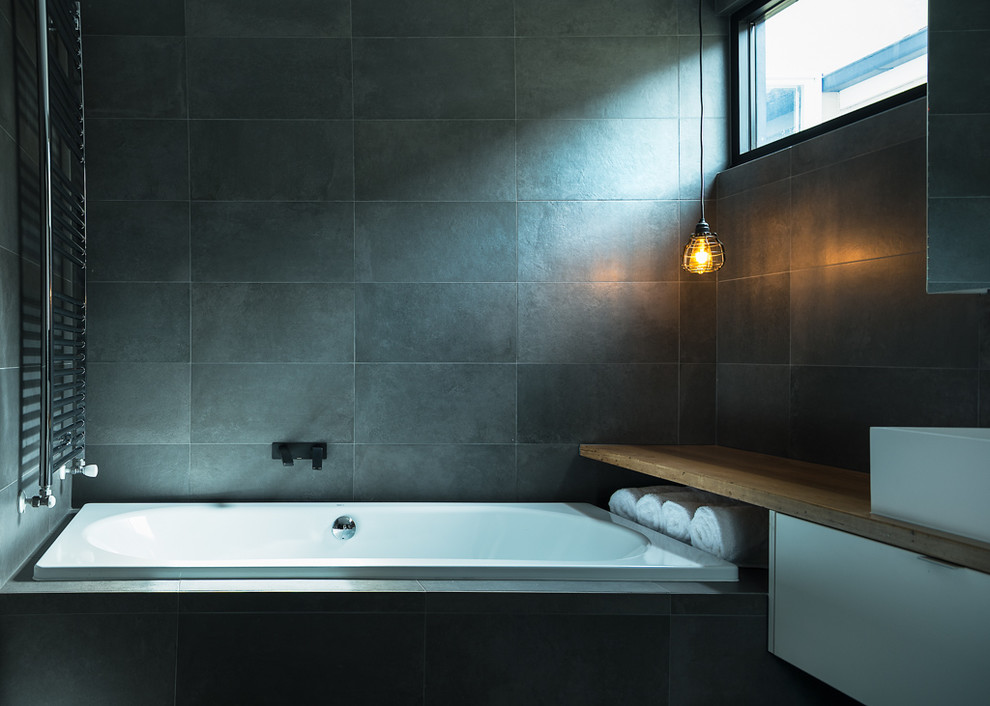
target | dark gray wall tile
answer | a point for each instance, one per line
(272, 242)
(137, 241)
(540, 658)
(594, 18)
(126, 17)
(270, 160)
(698, 413)
(135, 77)
(753, 320)
(8, 81)
(285, 323)
(458, 322)
(597, 77)
(260, 18)
(10, 428)
(434, 160)
(760, 227)
(715, 63)
(984, 398)
(269, 78)
(698, 326)
(578, 241)
(137, 159)
(248, 403)
(879, 132)
(958, 15)
(598, 323)
(434, 472)
(597, 159)
(435, 242)
(716, 155)
(120, 659)
(273, 657)
(434, 78)
(634, 404)
(750, 175)
(247, 472)
(957, 259)
(856, 210)
(734, 647)
(134, 473)
(432, 18)
(23, 533)
(435, 403)
(754, 407)
(137, 403)
(557, 473)
(8, 193)
(833, 408)
(138, 322)
(956, 148)
(954, 87)
(873, 314)
(10, 311)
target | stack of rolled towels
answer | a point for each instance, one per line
(729, 529)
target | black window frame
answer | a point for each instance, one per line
(743, 30)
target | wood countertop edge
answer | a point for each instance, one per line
(833, 497)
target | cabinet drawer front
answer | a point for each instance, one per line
(877, 622)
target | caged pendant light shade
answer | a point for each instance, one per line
(704, 252)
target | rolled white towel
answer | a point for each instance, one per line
(623, 501)
(732, 532)
(648, 510)
(676, 515)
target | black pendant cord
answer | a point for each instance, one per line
(701, 99)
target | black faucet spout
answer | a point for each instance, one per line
(286, 455)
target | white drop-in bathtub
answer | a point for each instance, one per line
(390, 541)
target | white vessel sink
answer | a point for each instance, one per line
(931, 476)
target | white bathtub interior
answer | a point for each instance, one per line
(145, 541)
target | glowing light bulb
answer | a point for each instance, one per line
(702, 257)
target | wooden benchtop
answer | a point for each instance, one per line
(834, 497)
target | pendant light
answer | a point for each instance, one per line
(704, 252)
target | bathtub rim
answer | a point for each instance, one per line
(710, 568)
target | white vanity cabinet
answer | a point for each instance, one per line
(881, 624)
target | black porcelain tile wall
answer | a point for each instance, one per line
(597, 77)
(285, 322)
(592, 18)
(137, 241)
(434, 160)
(753, 323)
(271, 160)
(598, 403)
(124, 17)
(272, 658)
(435, 403)
(269, 78)
(427, 322)
(135, 473)
(244, 403)
(434, 472)
(137, 159)
(754, 407)
(259, 18)
(135, 77)
(124, 408)
(435, 242)
(434, 78)
(598, 322)
(138, 322)
(291, 241)
(598, 241)
(432, 18)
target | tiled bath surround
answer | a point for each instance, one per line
(445, 242)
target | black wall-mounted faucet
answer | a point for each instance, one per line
(286, 451)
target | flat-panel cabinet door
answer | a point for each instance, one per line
(879, 623)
